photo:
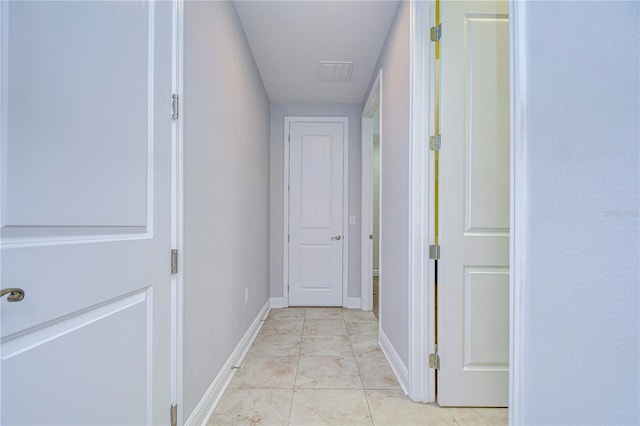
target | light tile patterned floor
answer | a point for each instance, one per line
(323, 366)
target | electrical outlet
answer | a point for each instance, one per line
(246, 296)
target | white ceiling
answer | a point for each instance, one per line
(289, 38)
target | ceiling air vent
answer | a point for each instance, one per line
(334, 71)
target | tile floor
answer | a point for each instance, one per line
(323, 366)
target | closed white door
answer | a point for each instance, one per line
(316, 234)
(473, 279)
(86, 212)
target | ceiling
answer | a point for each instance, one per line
(289, 38)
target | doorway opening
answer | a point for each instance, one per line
(371, 272)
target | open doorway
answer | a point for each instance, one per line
(371, 177)
(375, 260)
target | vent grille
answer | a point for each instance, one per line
(335, 71)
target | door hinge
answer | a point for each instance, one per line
(288, 238)
(174, 415)
(174, 261)
(436, 33)
(371, 236)
(287, 288)
(289, 138)
(174, 106)
(435, 142)
(434, 251)
(434, 360)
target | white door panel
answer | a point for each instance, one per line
(86, 212)
(473, 280)
(316, 213)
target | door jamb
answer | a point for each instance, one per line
(517, 205)
(421, 271)
(374, 100)
(345, 202)
(177, 219)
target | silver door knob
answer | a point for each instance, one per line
(15, 294)
(337, 237)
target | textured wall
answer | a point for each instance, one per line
(581, 326)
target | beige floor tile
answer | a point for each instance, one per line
(358, 315)
(363, 328)
(329, 407)
(282, 326)
(366, 346)
(276, 345)
(324, 328)
(328, 373)
(253, 407)
(266, 373)
(481, 416)
(376, 374)
(392, 407)
(324, 314)
(287, 313)
(326, 346)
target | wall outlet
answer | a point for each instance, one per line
(246, 296)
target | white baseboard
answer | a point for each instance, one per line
(212, 396)
(376, 273)
(353, 303)
(398, 367)
(277, 302)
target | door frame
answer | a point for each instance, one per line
(517, 201)
(177, 217)
(374, 100)
(345, 201)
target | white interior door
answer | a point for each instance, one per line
(473, 280)
(86, 212)
(316, 234)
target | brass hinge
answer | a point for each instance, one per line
(174, 415)
(174, 106)
(436, 33)
(435, 142)
(434, 251)
(434, 360)
(174, 261)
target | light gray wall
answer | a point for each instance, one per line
(581, 296)
(394, 185)
(278, 112)
(226, 192)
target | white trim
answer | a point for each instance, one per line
(353, 303)
(394, 360)
(366, 223)
(211, 398)
(177, 222)
(518, 199)
(278, 302)
(419, 232)
(345, 201)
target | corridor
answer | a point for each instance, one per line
(313, 366)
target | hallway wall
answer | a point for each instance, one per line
(394, 186)
(278, 112)
(226, 192)
(581, 296)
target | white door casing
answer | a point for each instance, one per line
(86, 212)
(473, 273)
(316, 230)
